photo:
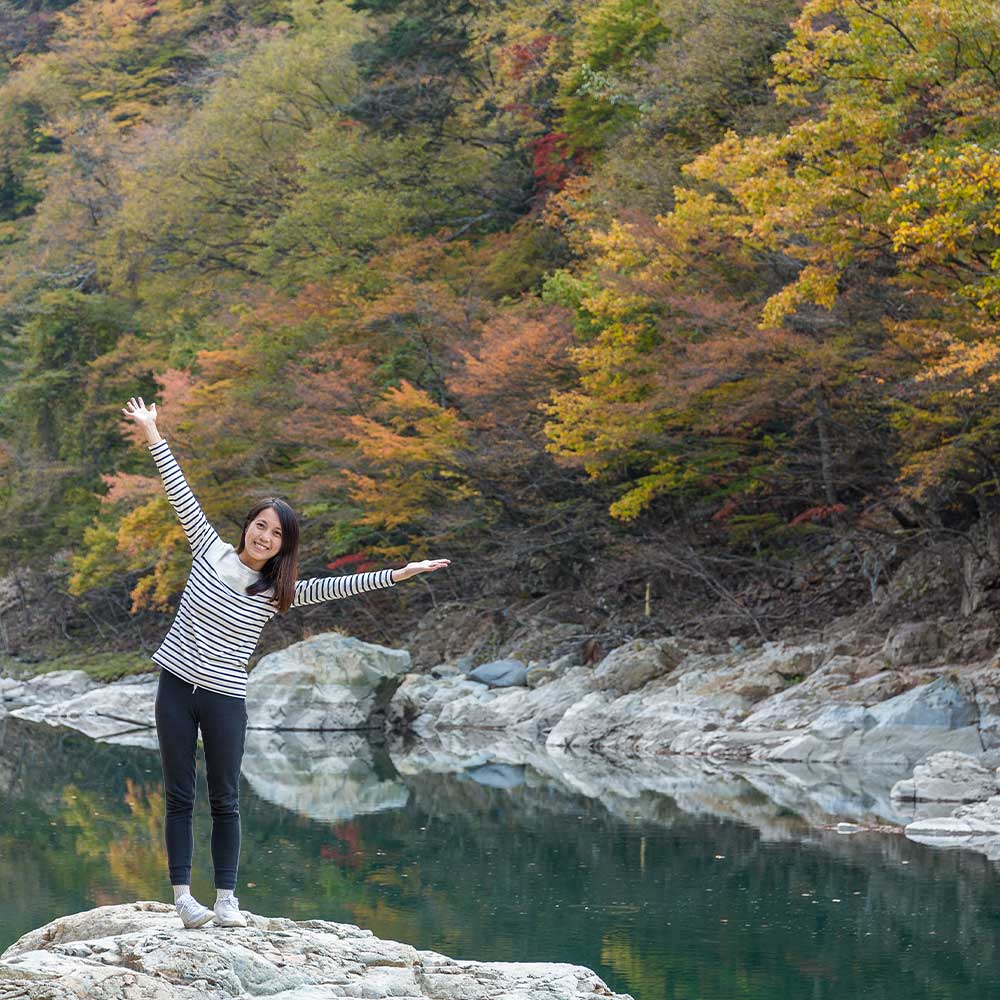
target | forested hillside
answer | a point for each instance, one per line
(686, 310)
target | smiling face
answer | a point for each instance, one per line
(262, 539)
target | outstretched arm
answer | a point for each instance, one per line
(329, 588)
(199, 531)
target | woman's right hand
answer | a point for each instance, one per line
(135, 409)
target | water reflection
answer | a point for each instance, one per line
(678, 878)
(326, 776)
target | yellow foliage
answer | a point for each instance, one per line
(152, 539)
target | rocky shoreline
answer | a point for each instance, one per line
(140, 951)
(923, 695)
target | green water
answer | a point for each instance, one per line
(660, 901)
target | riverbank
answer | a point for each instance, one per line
(850, 699)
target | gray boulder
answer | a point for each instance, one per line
(326, 682)
(947, 777)
(939, 705)
(140, 951)
(500, 673)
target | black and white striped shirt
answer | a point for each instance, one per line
(217, 626)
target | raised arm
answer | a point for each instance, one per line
(331, 588)
(199, 531)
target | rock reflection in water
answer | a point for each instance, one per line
(328, 777)
(779, 800)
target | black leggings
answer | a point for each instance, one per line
(180, 710)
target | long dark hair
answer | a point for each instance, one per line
(281, 570)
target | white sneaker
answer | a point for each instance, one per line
(227, 913)
(191, 912)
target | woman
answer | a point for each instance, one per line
(229, 596)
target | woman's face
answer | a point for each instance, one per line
(263, 537)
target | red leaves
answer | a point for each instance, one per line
(726, 510)
(821, 513)
(552, 161)
(524, 57)
(356, 562)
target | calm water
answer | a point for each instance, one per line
(663, 894)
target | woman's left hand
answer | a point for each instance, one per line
(415, 568)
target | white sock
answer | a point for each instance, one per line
(181, 890)
(222, 894)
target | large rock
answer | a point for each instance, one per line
(105, 712)
(327, 682)
(939, 705)
(500, 673)
(140, 951)
(947, 777)
(902, 730)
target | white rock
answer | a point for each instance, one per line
(141, 952)
(327, 682)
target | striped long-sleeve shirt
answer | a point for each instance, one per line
(217, 624)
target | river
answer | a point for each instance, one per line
(672, 879)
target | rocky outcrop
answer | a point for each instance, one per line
(139, 951)
(845, 700)
(424, 704)
(327, 682)
(849, 698)
(783, 703)
(901, 730)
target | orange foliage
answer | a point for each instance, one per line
(519, 358)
